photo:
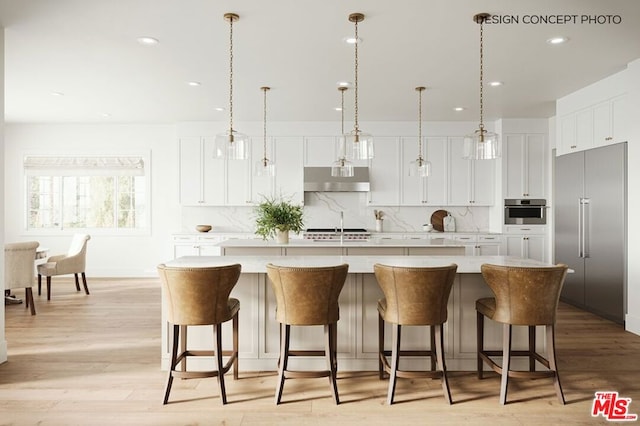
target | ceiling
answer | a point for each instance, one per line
(86, 50)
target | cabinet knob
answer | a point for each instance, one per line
(608, 138)
(573, 146)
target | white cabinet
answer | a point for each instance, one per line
(192, 245)
(432, 190)
(471, 182)
(322, 151)
(209, 181)
(528, 246)
(287, 154)
(525, 159)
(597, 125)
(488, 245)
(384, 173)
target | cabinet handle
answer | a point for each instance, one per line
(608, 138)
(573, 146)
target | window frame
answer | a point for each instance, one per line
(146, 230)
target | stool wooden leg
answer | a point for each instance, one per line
(284, 358)
(329, 331)
(432, 348)
(532, 348)
(480, 342)
(172, 363)
(217, 331)
(380, 346)
(28, 293)
(551, 354)
(183, 346)
(439, 338)
(84, 283)
(39, 284)
(77, 282)
(395, 356)
(235, 345)
(48, 288)
(506, 361)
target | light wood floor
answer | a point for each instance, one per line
(95, 360)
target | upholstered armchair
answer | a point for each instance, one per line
(64, 264)
(19, 269)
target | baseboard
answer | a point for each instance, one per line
(632, 324)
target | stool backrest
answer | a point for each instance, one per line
(198, 296)
(525, 295)
(307, 295)
(416, 295)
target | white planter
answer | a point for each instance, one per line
(282, 237)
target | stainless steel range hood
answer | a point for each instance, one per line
(320, 179)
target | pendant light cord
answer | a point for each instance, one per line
(355, 126)
(231, 75)
(481, 76)
(264, 126)
(420, 89)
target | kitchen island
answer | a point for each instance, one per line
(358, 325)
(346, 247)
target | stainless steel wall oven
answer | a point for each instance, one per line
(525, 211)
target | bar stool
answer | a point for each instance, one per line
(200, 296)
(307, 296)
(523, 296)
(413, 296)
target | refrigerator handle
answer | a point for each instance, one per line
(580, 227)
(585, 227)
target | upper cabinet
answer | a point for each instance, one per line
(524, 167)
(204, 179)
(385, 172)
(594, 116)
(430, 191)
(471, 182)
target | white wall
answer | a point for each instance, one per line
(632, 322)
(3, 342)
(110, 256)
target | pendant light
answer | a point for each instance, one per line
(231, 144)
(420, 167)
(264, 166)
(482, 144)
(342, 167)
(359, 144)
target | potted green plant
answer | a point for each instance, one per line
(275, 218)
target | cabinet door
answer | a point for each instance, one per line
(262, 186)
(536, 166)
(566, 134)
(514, 148)
(483, 182)
(213, 179)
(584, 129)
(619, 119)
(320, 151)
(384, 173)
(436, 183)
(191, 172)
(459, 191)
(238, 182)
(527, 246)
(180, 250)
(413, 188)
(602, 130)
(289, 182)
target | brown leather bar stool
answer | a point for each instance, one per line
(413, 296)
(307, 296)
(523, 296)
(200, 296)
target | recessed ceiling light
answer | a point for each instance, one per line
(148, 41)
(105, 115)
(337, 109)
(557, 40)
(344, 84)
(57, 94)
(193, 83)
(352, 40)
(458, 109)
(495, 83)
(219, 109)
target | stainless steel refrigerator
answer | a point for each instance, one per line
(590, 206)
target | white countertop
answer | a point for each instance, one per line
(357, 264)
(373, 242)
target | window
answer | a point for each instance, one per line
(75, 192)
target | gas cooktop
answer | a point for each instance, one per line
(332, 234)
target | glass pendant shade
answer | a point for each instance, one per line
(420, 168)
(232, 145)
(481, 145)
(342, 167)
(359, 145)
(264, 168)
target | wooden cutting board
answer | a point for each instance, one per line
(437, 220)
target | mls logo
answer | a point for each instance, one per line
(612, 407)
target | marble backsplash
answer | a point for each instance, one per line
(322, 210)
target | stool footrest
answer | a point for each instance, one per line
(293, 374)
